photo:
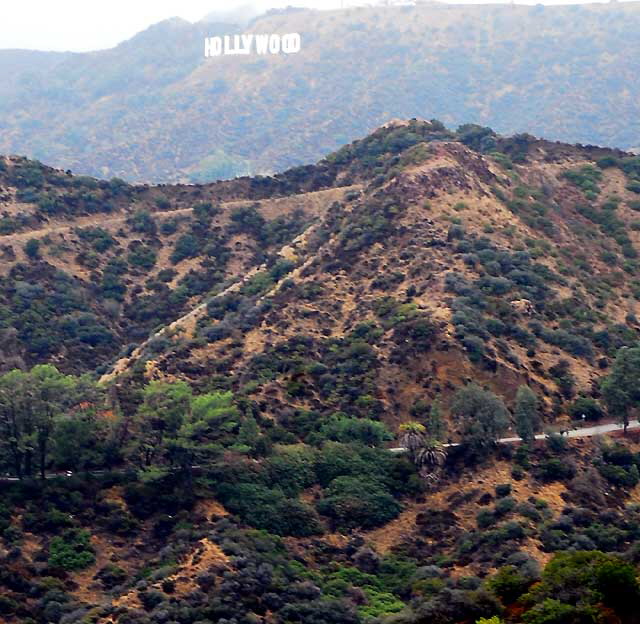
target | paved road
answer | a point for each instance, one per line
(583, 432)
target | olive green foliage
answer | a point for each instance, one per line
(71, 551)
(586, 406)
(357, 502)
(574, 584)
(586, 178)
(52, 314)
(32, 248)
(482, 416)
(381, 586)
(620, 389)
(270, 509)
(525, 412)
(509, 584)
(142, 256)
(341, 370)
(341, 428)
(98, 237)
(43, 413)
(142, 222)
(248, 220)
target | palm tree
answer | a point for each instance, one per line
(429, 459)
(412, 437)
(432, 455)
(426, 453)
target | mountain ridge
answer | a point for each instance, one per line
(153, 109)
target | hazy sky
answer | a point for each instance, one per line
(81, 25)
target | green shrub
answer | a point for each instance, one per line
(111, 576)
(586, 178)
(72, 550)
(584, 578)
(485, 519)
(142, 221)
(187, 246)
(32, 248)
(363, 430)
(269, 509)
(503, 489)
(555, 469)
(587, 406)
(634, 186)
(358, 502)
(142, 256)
(620, 476)
(508, 584)
(505, 505)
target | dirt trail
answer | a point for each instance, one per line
(96, 221)
(188, 321)
(80, 222)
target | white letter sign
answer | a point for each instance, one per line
(234, 45)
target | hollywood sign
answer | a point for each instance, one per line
(234, 45)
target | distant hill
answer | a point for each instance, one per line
(154, 109)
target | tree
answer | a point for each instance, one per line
(15, 422)
(249, 433)
(199, 437)
(430, 459)
(527, 418)
(620, 390)
(32, 406)
(577, 583)
(358, 502)
(342, 428)
(431, 416)
(427, 453)
(482, 416)
(587, 407)
(436, 425)
(162, 413)
(412, 437)
(270, 509)
(77, 442)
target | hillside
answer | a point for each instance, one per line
(501, 258)
(503, 266)
(89, 266)
(154, 109)
(255, 346)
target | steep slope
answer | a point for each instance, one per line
(154, 109)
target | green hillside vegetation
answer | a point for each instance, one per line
(154, 109)
(200, 387)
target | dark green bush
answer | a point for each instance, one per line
(358, 502)
(72, 550)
